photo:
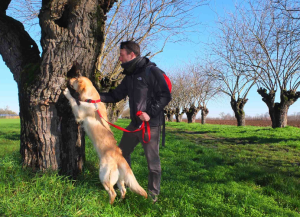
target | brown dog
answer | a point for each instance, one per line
(113, 166)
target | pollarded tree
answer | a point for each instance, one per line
(179, 97)
(210, 89)
(230, 70)
(197, 89)
(71, 38)
(270, 44)
(194, 80)
(236, 85)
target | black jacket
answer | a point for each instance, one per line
(147, 92)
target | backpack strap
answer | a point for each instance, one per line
(147, 72)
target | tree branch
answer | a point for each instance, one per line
(17, 48)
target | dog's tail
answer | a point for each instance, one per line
(130, 180)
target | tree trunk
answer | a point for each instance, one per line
(191, 114)
(178, 115)
(278, 111)
(204, 113)
(169, 115)
(238, 108)
(113, 112)
(72, 33)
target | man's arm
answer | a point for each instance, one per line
(164, 96)
(117, 94)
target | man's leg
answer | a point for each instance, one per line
(152, 154)
(128, 142)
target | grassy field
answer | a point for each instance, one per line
(210, 170)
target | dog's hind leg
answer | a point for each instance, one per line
(111, 192)
(121, 186)
(109, 177)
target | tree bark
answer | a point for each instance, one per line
(191, 114)
(278, 111)
(71, 37)
(204, 113)
(238, 108)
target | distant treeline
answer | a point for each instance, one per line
(266, 116)
(7, 112)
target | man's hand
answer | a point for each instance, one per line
(144, 116)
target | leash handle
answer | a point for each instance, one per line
(148, 128)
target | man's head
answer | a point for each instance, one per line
(128, 51)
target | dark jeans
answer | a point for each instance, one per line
(130, 140)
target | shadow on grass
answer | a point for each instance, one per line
(10, 135)
(254, 140)
(194, 132)
(236, 141)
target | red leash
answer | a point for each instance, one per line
(142, 127)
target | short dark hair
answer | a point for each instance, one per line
(131, 46)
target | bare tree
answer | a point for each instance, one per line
(290, 8)
(151, 24)
(270, 46)
(71, 38)
(195, 89)
(194, 81)
(176, 105)
(210, 89)
(230, 70)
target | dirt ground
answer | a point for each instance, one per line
(263, 123)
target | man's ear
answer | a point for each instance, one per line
(132, 55)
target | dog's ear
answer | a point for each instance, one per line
(81, 85)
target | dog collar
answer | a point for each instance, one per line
(93, 101)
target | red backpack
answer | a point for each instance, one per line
(168, 82)
(167, 79)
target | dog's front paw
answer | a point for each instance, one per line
(67, 93)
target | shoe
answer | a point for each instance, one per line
(153, 197)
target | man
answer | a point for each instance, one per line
(148, 92)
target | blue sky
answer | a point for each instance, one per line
(173, 55)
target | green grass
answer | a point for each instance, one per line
(210, 170)
(9, 136)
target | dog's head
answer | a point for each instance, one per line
(84, 87)
(80, 84)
